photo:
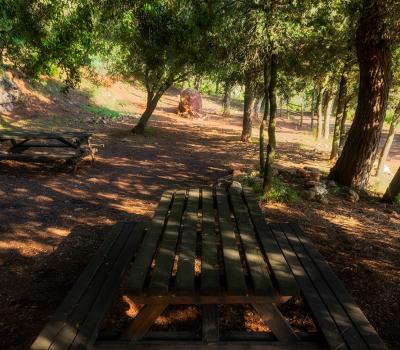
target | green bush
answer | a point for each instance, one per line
(280, 191)
(102, 111)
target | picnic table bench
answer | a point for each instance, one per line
(208, 247)
(43, 145)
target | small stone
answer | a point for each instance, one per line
(310, 184)
(308, 195)
(320, 190)
(331, 183)
(301, 173)
(322, 200)
(236, 186)
(78, 209)
(352, 196)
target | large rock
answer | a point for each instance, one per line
(190, 103)
(9, 94)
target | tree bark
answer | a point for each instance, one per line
(312, 108)
(268, 175)
(265, 116)
(197, 82)
(393, 190)
(374, 57)
(319, 113)
(343, 135)
(327, 109)
(302, 114)
(339, 115)
(152, 100)
(248, 108)
(287, 109)
(388, 143)
(226, 100)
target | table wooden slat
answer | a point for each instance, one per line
(234, 274)
(326, 323)
(144, 257)
(257, 266)
(186, 263)
(209, 264)
(279, 267)
(159, 283)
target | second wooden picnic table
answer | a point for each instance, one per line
(209, 246)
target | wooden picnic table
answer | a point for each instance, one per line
(210, 247)
(46, 147)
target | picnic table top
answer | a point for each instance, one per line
(209, 246)
(43, 134)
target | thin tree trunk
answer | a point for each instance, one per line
(268, 174)
(389, 141)
(257, 106)
(287, 110)
(319, 113)
(216, 87)
(327, 108)
(265, 116)
(226, 100)
(248, 108)
(339, 115)
(343, 134)
(152, 100)
(312, 108)
(393, 190)
(302, 114)
(280, 107)
(374, 57)
(197, 82)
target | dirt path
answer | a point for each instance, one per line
(52, 222)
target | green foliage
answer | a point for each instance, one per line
(102, 111)
(280, 191)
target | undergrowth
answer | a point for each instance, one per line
(102, 111)
(280, 191)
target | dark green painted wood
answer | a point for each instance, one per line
(257, 266)
(210, 283)
(160, 280)
(186, 264)
(280, 269)
(141, 265)
(234, 273)
(324, 319)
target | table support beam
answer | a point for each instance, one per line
(276, 322)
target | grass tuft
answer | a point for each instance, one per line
(280, 191)
(102, 111)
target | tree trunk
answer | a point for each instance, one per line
(257, 106)
(339, 115)
(268, 175)
(265, 116)
(374, 57)
(216, 87)
(319, 113)
(248, 108)
(287, 109)
(280, 107)
(389, 141)
(393, 190)
(343, 135)
(197, 82)
(302, 114)
(312, 108)
(226, 100)
(327, 109)
(152, 100)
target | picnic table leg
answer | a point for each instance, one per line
(143, 321)
(210, 323)
(276, 322)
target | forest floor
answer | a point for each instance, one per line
(51, 222)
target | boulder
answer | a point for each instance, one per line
(320, 190)
(190, 103)
(308, 195)
(301, 173)
(9, 94)
(310, 184)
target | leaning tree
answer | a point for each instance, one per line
(375, 34)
